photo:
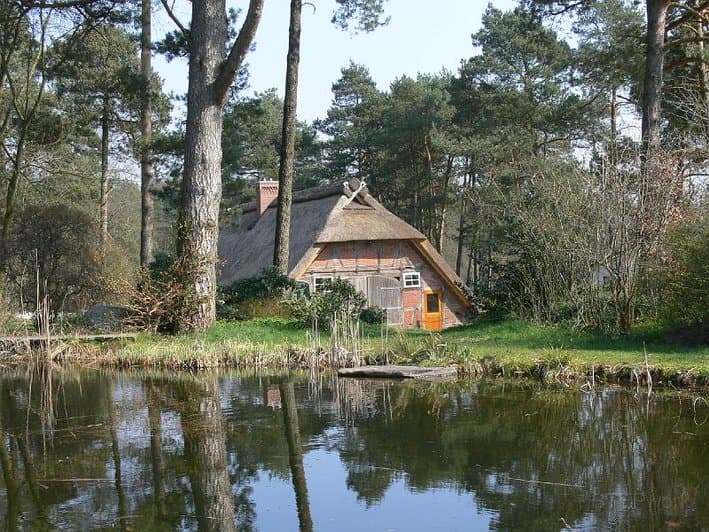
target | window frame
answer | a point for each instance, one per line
(321, 278)
(411, 279)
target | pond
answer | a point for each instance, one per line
(158, 451)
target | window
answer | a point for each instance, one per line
(322, 284)
(302, 290)
(433, 305)
(412, 279)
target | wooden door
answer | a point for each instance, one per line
(385, 292)
(432, 311)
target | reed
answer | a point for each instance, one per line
(503, 349)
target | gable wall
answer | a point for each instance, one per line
(388, 258)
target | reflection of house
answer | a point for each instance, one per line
(273, 397)
(341, 231)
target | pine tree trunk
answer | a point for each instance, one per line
(147, 170)
(281, 250)
(461, 224)
(13, 181)
(201, 183)
(210, 77)
(103, 200)
(613, 146)
(441, 231)
(704, 67)
(654, 59)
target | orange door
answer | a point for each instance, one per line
(432, 311)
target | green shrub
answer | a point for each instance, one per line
(341, 301)
(255, 297)
(681, 282)
(372, 315)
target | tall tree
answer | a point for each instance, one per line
(367, 14)
(147, 169)
(351, 123)
(281, 249)
(100, 75)
(417, 152)
(211, 74)
(23, 42)
(654, 64)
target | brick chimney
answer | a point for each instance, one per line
(266, 192)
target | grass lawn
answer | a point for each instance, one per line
(517, 341)
(514, 345)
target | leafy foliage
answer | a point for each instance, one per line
(681, 282)
(340, 301)
(242, 299)
(366, 13)
(52, 252)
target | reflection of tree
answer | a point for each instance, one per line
(156, 450)
(531, 456)
(528, 455)
(8, 473)
(295, 455)
(116, 455)
(35, 441)
(205, 453)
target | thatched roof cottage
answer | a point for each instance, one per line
(341, 231)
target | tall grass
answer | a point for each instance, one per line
(506, 348)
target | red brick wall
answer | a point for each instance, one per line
(390, 258)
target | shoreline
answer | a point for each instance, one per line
(294, 358)
(514, 350)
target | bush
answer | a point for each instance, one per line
(341, 301)
(157, 301)
(681, 283)
(58, 245)
(254, 297)
(372, 315)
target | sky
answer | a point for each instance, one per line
(423, 36)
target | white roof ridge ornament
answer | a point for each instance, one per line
(355, 193)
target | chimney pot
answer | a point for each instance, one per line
(266, 192)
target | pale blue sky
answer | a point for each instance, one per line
(423, 36)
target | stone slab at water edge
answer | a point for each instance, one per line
(400, 372)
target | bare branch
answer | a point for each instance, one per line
(688, 11)
(565, 8)
(686, 61)
(238, 51)
(685, 40)
(171, 14)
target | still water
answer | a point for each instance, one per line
(156, 451)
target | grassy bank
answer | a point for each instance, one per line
(506, 348)
(514, 348)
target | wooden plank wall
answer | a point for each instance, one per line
(389, 258)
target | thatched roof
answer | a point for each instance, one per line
(343, 211)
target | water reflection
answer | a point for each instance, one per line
(199, 406)
(295, 455)
(223, 452)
